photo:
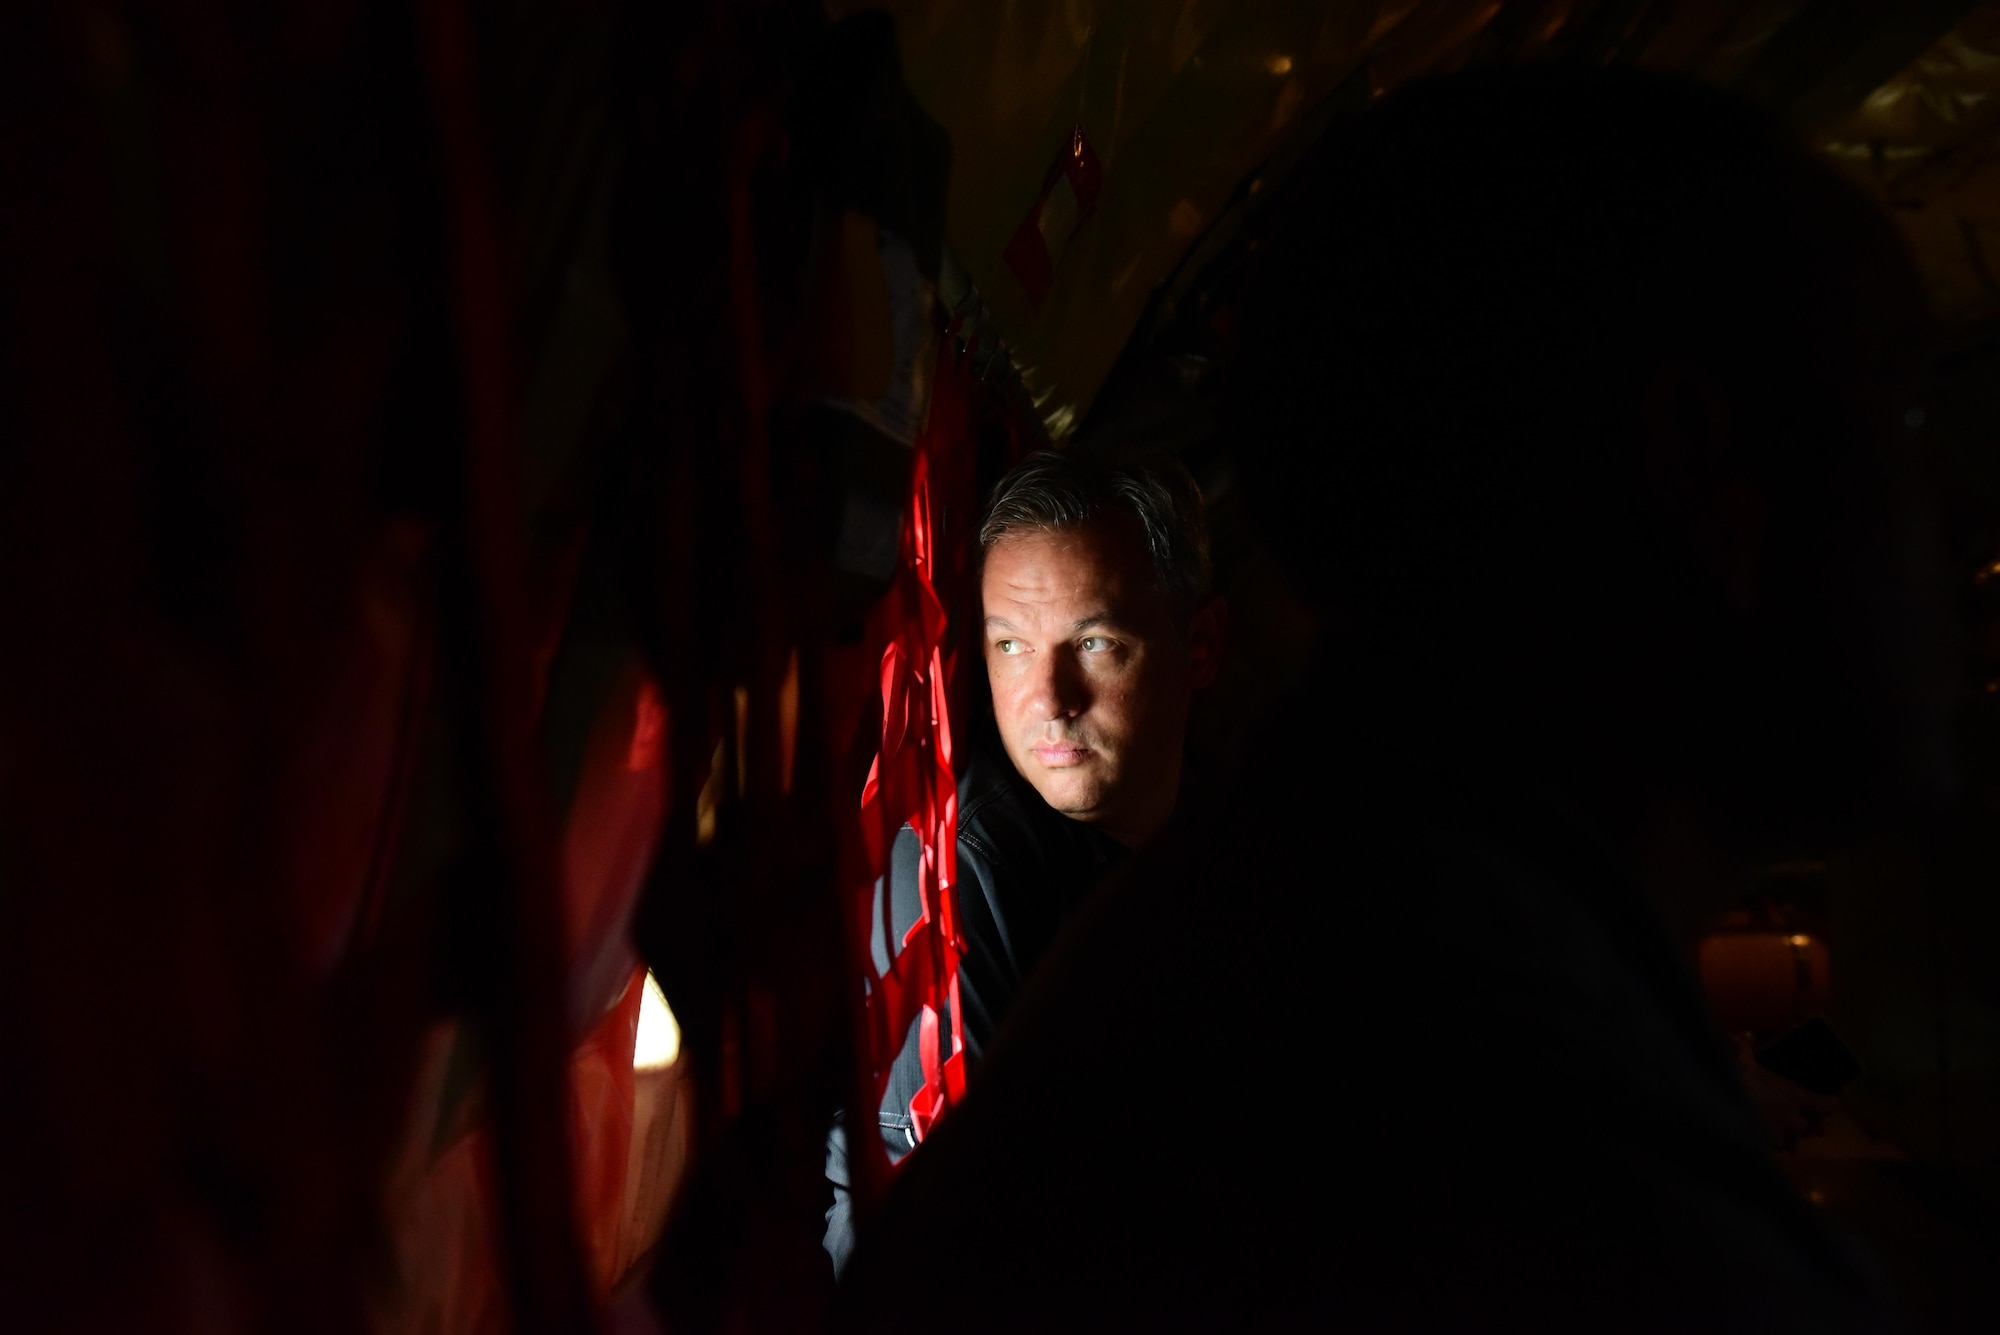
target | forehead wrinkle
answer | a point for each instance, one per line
(1046, 579)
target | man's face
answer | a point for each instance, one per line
(1092, 672)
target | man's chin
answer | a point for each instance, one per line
(1067, 790)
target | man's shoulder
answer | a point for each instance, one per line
(997, 811)
(988, 787)
(996, 808)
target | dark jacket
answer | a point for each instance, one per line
(1022, 868)
(1371, 1043)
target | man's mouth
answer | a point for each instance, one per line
(1061, 755)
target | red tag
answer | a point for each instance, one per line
(1069, 196)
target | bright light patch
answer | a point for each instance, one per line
(659, 1033)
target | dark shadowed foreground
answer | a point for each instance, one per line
(1595, 465)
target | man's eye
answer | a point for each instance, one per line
(1008, 646)
(1093, 644)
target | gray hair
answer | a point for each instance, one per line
(1059, 489)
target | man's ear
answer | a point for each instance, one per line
(1205, 637)
(1693, 476)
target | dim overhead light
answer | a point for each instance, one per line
(1279, 65)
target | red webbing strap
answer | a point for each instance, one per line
(912, 781)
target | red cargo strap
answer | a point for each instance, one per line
(912, 781)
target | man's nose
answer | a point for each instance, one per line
(1059, 689)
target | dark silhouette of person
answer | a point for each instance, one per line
(1580, 404)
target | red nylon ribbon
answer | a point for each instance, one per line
(912, 781)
